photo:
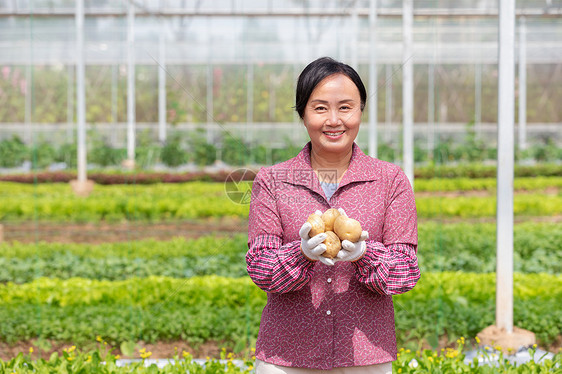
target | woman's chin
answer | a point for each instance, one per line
(340, 145)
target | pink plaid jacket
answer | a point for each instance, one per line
(320, 316)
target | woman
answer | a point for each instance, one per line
(324, 314)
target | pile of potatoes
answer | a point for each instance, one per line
(338, 227)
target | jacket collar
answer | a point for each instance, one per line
(361, 168)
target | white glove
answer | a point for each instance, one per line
(352, 251)
(312, 248)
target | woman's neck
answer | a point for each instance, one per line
(330, 167)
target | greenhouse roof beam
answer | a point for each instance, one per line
(364, 12)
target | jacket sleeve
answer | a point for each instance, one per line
(388, 270)
(391, 267)
(272, 266)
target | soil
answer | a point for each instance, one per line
(161, 349)
(32, 232)
(167, 349)
(495, 336)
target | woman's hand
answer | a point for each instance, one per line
(312, 248)
(352, 251)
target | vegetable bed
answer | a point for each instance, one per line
(165, 202)
(228, 310)
(197, 290)
(452, 247)
(100, 361)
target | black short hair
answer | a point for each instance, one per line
(315, 72)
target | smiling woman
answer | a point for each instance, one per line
(330, 312)
(331, 112)
(332, 118)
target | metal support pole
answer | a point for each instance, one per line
(29, 89)
(162, 88)
(114, 89)
(131, 82)
(343, 49)
(353, 37)
(80, 92)
(431, 108)
(408, 90)
(114, 136)
(478, 98)
(522, 84)
(210, 117)
(271, 86)
(504, 237)
(388, 104)
(431, 94)
(373, 97)
(249, 101)
(28, 102)
(70, 105)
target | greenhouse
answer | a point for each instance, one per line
(227, 69)
(132, 135)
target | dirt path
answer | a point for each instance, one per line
(167, 349)
(162, 349)
(31, 232)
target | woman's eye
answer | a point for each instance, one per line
(345, 107)
(320, 108)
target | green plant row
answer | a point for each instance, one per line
(209, 189)
(455, 304)
(197, 310)
(127, 177)
(100, 361)
(176, 151)
(118, 203)
(228, 310)
(471, 247)
(479, 170)
(180, 149)
(197, 189)
(452, 247)
(488, 360)
(128, 183)
(475, 206)
(486, 184)
(178, 258)
(200, 200)
(460, 184)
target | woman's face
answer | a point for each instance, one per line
(333, 114)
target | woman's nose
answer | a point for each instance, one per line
(333, 118)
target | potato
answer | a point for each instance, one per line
(347, 228)
(318, 226)
(333, 245)
(329, 216)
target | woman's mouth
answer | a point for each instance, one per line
(334, 134)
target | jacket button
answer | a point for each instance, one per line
(329, 280)
(328, 312)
